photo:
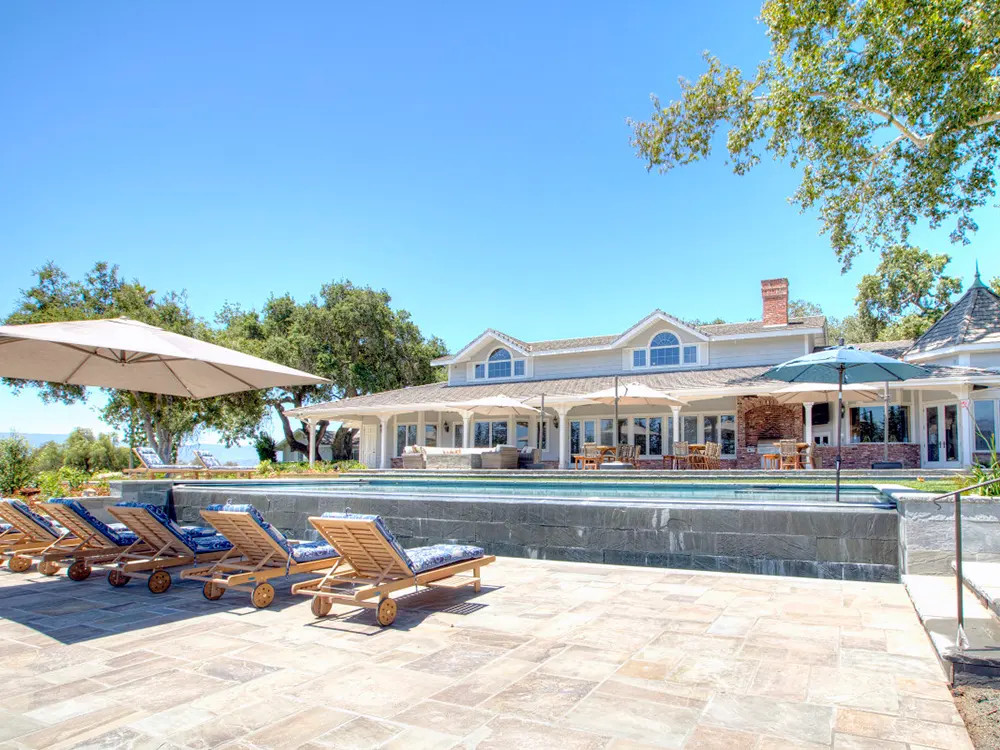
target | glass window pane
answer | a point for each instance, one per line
(607, 433)
(655, 436)
(482, 435)
(639, 358)
(986, 428)
(480, 371)
(500, 433)
(690, 355)
(689, 429)
(430, 435)
(639, 434)
(521, 429)
(518, 368)
(574, 437)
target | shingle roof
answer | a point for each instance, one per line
(974, 319)
(674, 381)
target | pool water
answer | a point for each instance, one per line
(582, 490)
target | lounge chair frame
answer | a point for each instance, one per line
(254, 560)
(164, 550)
(370, 568)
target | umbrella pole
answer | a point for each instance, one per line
(840, 427)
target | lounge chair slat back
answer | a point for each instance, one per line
(362, 545)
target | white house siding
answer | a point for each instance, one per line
(744, 352)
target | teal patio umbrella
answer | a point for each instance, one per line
(844, 365)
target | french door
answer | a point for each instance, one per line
(941, 435)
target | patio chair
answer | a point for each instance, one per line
(94, 541)
(169, 546)
(682, 455)
(215, 466)
(260, 552)
(789, 453)
(373, 565)
(26, 536)
(153, 464)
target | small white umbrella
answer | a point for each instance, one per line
(132, 356)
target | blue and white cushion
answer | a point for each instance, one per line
(418, 559)
(41, 520)
(120, 537)
(309, 550)
(196, 542)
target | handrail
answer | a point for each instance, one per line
(961, 640)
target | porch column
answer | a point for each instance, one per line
(312, 444)
(385, 460)
(466, 430)
(808, 437)
(966, 427)
(421, 428)
(563, 437)
(677, 422)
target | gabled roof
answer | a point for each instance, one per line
(586, 343)
(973, 320)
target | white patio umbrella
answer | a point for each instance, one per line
(132, 356)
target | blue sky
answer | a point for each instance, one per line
(470, 158)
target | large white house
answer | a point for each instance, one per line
(943, 420)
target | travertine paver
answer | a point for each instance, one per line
(547, 655)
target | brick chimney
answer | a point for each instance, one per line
(775, 295)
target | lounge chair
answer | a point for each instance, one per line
(94, 541)
(153, 464)
(168, 546)
(27, 536)
(260, 552)
(215, 466)
(373, 565)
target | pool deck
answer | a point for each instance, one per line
(549, 654)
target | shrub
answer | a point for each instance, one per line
(16, 470)
(267, 449)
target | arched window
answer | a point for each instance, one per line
(664, 350)
(499, 363)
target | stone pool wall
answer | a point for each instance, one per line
(857, 543)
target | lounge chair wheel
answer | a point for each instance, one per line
(48, 567)
(79, 571)
(263, 595)
(118, 579)
(321, 606)
(159, 581)
(386, 612)
(19, 563)
(212, 591)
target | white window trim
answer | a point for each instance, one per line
(486, 367)
(681, 346)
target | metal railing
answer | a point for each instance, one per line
(961, 641)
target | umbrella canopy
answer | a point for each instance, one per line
(632, 394)
(801, 393)
(494, 406)
(844, 365)
(129, 355)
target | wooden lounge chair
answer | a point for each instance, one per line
(27, 536)
(152, 464)
(260, 552)
(215, 466)
(373, 565)
(169, 546)
(94, 541)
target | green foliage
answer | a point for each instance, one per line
(889, 110)
(15, 464)
(267, 449)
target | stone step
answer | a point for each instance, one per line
(983, 580)
(934, 598)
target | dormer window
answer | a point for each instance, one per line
(665, 350)
(499, 364)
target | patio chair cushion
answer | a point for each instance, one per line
(307, 553)
(196, 541)
(423, 559)
(380, 526)
(120, 536)
(41, 520)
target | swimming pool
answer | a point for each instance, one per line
(654, 491)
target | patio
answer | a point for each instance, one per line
(550, 654)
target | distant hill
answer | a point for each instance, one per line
(241, 455)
